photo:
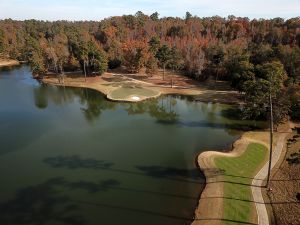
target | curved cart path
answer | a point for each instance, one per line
(257, 182)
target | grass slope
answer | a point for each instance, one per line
(238, 174)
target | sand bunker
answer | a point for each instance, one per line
(135, 98)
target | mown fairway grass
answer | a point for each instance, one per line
(238, 174)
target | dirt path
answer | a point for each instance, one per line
(257, 182)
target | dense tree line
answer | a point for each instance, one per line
(254, 55)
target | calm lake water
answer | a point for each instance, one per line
(69, 156)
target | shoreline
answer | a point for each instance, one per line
(105, 86)
(8, 62)
(210, 204)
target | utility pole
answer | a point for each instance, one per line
(271, 139)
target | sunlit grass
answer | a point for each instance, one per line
(238, 174)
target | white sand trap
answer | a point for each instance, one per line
(135, 98)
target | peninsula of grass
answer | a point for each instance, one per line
(238, 174)
(132, 93)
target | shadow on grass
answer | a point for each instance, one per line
(250, 178)
(227, 220)
(237, 183)
(247, 200)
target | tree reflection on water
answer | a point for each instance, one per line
(163, 109)
(93, 103)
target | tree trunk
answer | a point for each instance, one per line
(63, 75)
(216, 78)
(164, 71)
(84, 70)
(217, 75)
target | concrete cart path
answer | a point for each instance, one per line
(257, 183)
